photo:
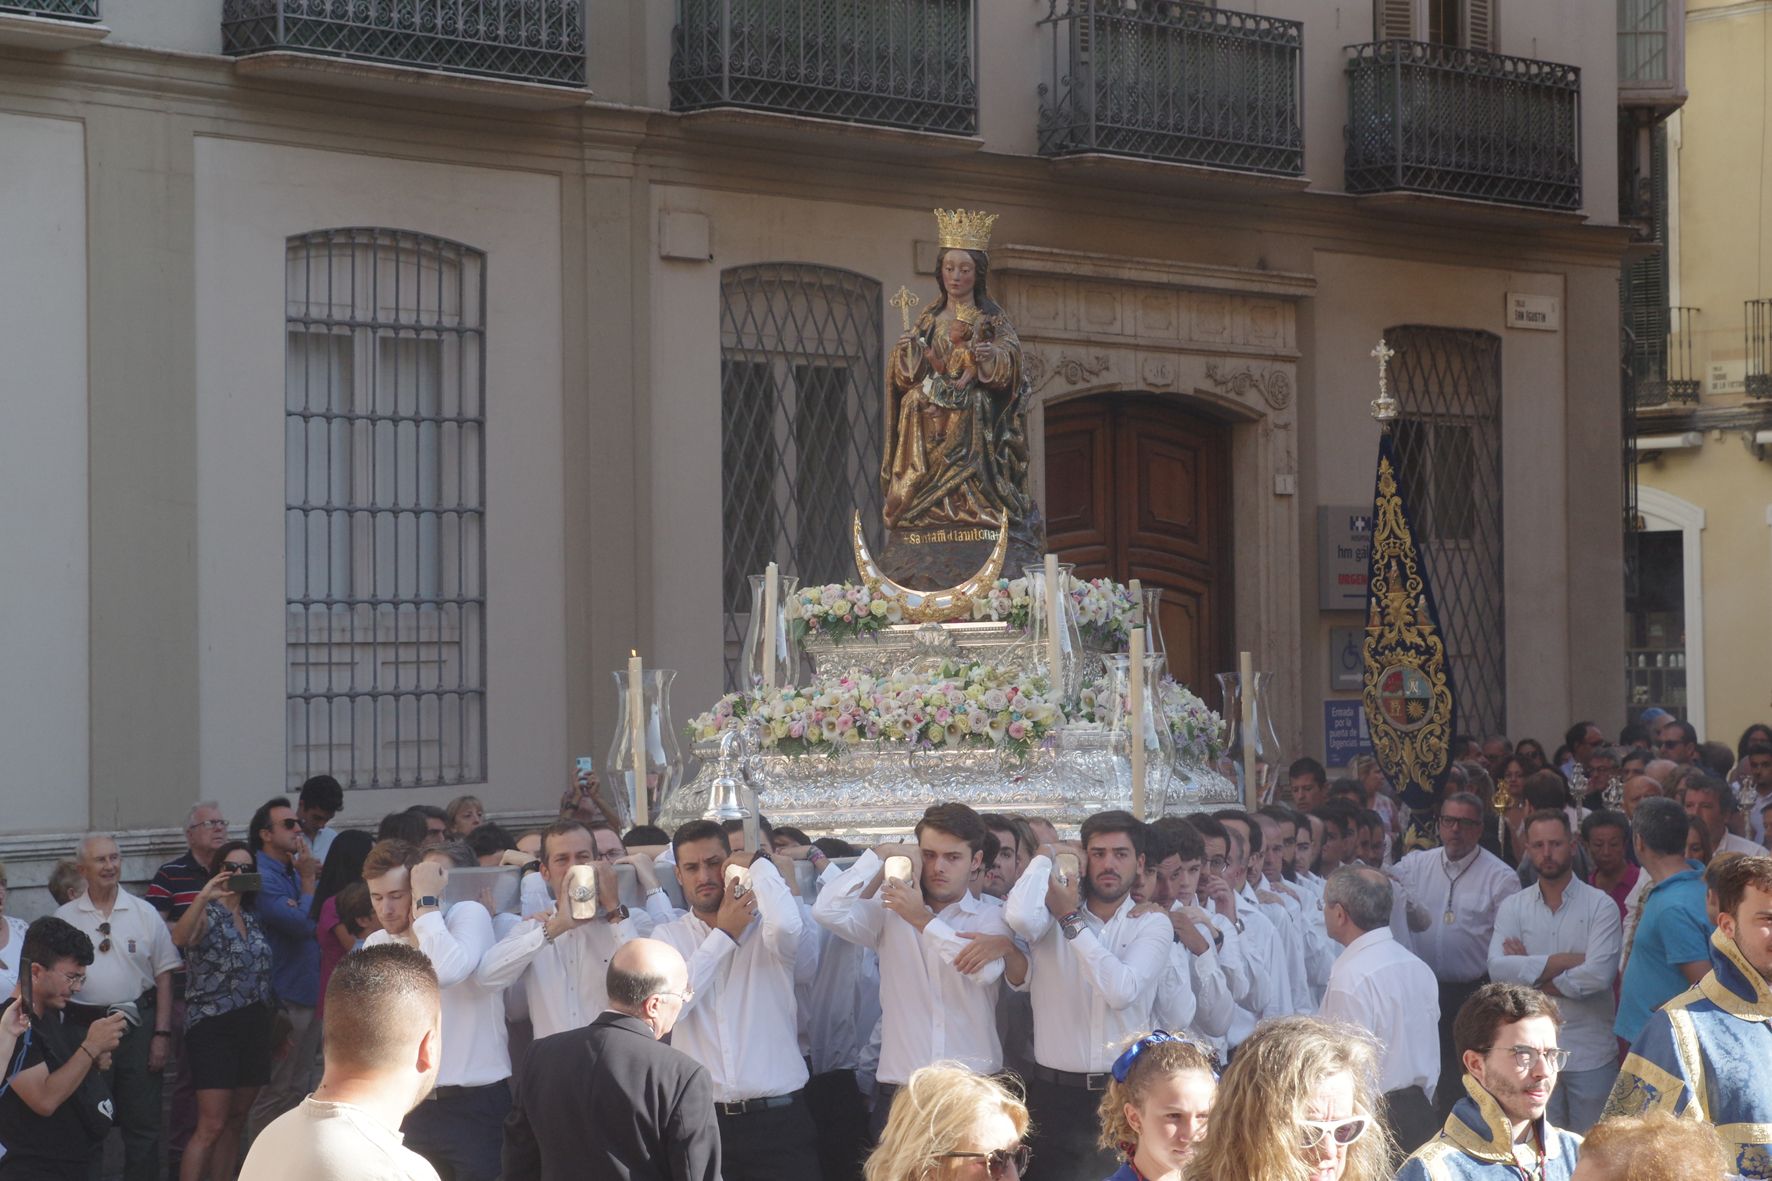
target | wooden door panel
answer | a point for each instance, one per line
(1139, 490)
(1080, 489)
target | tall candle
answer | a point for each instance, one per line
(1135, 706)
(1054, 621)
(1137, 589)
(1246, 681)
(769, 598)
(637, 734)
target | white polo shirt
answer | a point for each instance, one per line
(141, 948)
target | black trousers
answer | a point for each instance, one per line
(1410, 1117)
(840, 1115)
(774, 1144)
(1066, 1127)
(1451, 1085)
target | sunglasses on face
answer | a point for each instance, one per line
(1459, 822)
(1312, 1132)
(1669, 743)
(289, 822)
(236, 867)
(999, 1162)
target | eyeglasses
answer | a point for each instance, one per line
(1216, 864)
(1525, 1056)
(687, 995)
(1459, 822)
(1670, 743)
(104, 929)
(1343, 1132)
(1000, 1162)
(216, 825)
(237, 867)
(77, 981)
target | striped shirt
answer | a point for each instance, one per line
(176, 885)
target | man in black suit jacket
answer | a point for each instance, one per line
(610, 1103)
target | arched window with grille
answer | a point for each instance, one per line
(801, 401)
(1448, 382)
(384, 542)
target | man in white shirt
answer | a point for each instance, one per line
(460, 1126)
(931, 1010)
(382, 1047)
(1382, 987)
(1713, 804)
(1015, 848)
(1563, 937)
(1217, 972)
(1094, 977)
(1225, 885)
(563, 961)
(1759, 769)
(1303, 903)
(742, 943)
(1452, 896)
(1283, 911)
(133, 962)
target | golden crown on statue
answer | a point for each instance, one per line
(963, 230)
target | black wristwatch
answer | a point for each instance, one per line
(430, 901)
(619, 915)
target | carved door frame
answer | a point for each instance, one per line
(1218, 340)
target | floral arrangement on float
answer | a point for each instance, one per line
(1195, 728)
(978, 705)
(1106, 611)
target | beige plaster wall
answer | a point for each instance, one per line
(248, 199)
(45, 709)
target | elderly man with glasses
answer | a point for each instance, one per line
(1453, 893)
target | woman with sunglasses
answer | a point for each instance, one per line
(1296, 1104)
(948, 1124)
(227, 1012)
(1156, 1106)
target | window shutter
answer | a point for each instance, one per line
(1393, 20)
(1479, 25)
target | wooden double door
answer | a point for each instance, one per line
(1136, 488)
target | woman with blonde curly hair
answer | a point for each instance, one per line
(1156, 1105)
(948, 1124)
(1299, 1103)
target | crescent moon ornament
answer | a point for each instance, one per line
(938, 606)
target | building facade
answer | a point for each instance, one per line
(1695, 640)
(577, 315)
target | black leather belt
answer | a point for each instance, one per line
(749, 1106)
(1067, 1078)
(460, 1092)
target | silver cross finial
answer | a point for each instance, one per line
(1384, 407)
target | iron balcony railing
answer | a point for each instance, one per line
(1164, 80)
(522, 40)
(1758, 317)
(1664, 368)
(73, 10)
(911, 64)
(1462, 123)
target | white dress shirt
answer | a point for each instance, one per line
(1734, 844)
(742, 1023)
(1385, 989)
(1176, 1008)
(1587, 922)
(1756, 817)
(474, 1048)
(1287, 915)
(1460, 899)
(1094, 993)
(564, 982)
(932, 1012)
(1270, 995)
(1233, 972)
(1320, 951)
(141, 948)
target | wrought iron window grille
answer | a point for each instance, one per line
(911, 64)
(1173, 81)
(1448, 437)
(802, 397)
(1757, 314)
(1663, 364)
(520, 40)
(1463, 123)
(384, 543)
(75, 10)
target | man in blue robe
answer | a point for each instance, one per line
(1506, 1037)
(1707, 1054)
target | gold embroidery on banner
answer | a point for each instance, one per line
(1406, 696)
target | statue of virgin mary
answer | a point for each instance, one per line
(956, 454)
